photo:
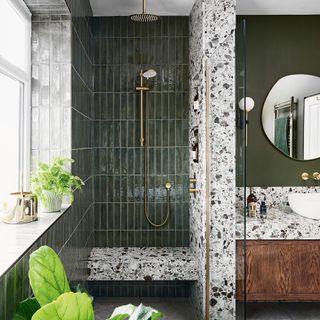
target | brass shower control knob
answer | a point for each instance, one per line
(316, 176)
(193, 185)
(305, 176)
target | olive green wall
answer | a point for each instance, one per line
(277, 46)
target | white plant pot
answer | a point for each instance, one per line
(53, 204)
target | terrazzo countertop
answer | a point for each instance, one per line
(279, 225)
(138, 264)
(16, 239)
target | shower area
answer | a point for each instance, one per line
(141, 158)
(141, 112)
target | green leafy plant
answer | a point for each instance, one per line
(54, 178)
(54, 300)
(26, 309)
(47, 276)
(69, 306)
(130, 312)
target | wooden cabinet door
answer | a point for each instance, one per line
(280, 270)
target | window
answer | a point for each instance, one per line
(15, 53)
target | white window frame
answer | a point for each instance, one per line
(24, 77)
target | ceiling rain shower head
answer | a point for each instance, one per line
(149, 74)
(144, 16)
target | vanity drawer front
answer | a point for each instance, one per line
(286, 270)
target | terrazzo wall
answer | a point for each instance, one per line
(212, 39)
(198, 200)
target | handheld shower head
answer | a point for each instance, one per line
(144, 16)
(149, 74)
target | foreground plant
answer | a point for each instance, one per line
(54, 299)
(130, 312)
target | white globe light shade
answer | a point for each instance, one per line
(247, 103)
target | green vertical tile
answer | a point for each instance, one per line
(162, 160)
(172, 160)
(157, 106)
(151, 133)
(164, 106)
(137, 51)
(2, 298)
(116, 106)
(165, 135)
(124, 189)
(138, 161)
(116, 51)
(178, 133)
(124, 134)
(10, 292)
(172, 26)
(123, 216)
(19, 283)
(185, 86)
(172, 133)
(131, 221)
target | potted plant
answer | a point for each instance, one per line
(52, 182)
(53, 297)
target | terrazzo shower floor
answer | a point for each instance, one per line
(172, 308)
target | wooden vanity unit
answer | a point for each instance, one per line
(287, 270)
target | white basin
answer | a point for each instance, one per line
(305, 204)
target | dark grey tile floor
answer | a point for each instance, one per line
(172, 308)
(280, 311)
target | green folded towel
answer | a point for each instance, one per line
(281, 134)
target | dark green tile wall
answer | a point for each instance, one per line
(69, 238)
(72, 235)
(121, 49)
(159, 289)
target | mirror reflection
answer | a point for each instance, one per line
(291, 116)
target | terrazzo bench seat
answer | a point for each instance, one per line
(138, 264)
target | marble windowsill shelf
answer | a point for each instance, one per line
(138, 264)
(279, 226)
(16, 239)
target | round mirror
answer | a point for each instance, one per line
(291, 116)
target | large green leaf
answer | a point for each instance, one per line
(69, 306)
(131, 312)
(47, 277)
(26, 309)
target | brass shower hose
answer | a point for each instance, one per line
(168, 184)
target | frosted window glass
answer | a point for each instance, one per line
(13, 31)
(9, 138)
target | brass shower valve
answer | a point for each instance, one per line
(193, 189)
(306, 176)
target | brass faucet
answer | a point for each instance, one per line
(306, 176)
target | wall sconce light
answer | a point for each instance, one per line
(246, 103)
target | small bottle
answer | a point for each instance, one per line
(252, 204)
(196, 103)
(195, 152)
(263, 210)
